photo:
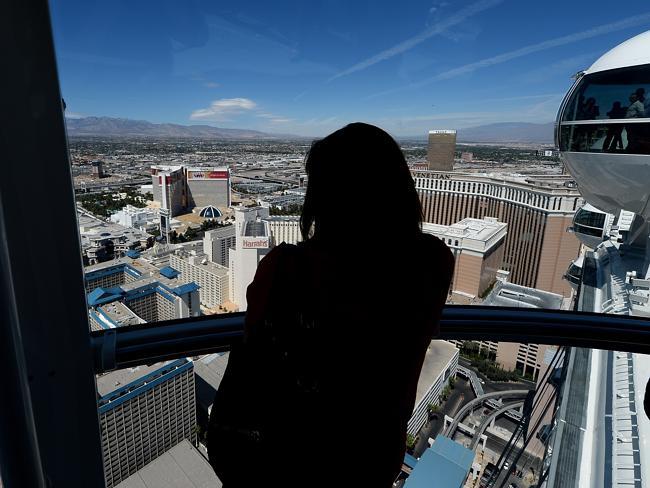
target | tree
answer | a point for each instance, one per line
(433, 409)
(411, 440)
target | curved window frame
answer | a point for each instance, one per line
(585, 81)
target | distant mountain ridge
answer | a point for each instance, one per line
(118, 127)
(504, 132)
(509, 132)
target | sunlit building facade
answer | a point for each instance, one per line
(441, 150)
(538, 211)
(143, 413)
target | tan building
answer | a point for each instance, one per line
(477, 245)
(538, 210)
(441, 150)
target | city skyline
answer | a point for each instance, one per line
(317, 67)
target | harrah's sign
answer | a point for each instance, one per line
(255, 242)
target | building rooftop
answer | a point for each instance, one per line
(169, 168)
(180, 467)
(121, 384)
(201, 260)
(118, 315)
(142, 267)
(437, 357)
(106, 383)
(564, 184)
(227, 231)
(209, 372)
(93, 229)
(473, 234)
(253, 228)
(511, 295)
(446, 464)
(283, 218)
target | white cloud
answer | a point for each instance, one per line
(223, 109)
(276, 119)
(628, 22)
(437, 28)
(73, 115)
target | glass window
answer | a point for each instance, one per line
(590, 219)
(189, 143)
(615, 94)
(630, 138)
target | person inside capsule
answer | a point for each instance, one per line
(311, 357)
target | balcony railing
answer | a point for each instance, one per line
(150, 343)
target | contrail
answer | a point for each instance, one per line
(404, 46)
(524, 51)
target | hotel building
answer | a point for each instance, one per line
(441, 150)
(477, 245)
(143, 413)
(538, 210)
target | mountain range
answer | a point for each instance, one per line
(506, 132)
(117, 127)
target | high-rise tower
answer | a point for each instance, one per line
(442, 147)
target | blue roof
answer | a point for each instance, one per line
(132, 253)
(169, 272)
(409, 460)
(445, 465)
(101, 295)
(142, 384)
(186, 288)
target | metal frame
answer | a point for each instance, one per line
(148, 343)
(49, 429)
(54, 417)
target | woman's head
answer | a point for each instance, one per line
(358, 178)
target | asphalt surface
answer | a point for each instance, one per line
(460, 395)
(490, 386)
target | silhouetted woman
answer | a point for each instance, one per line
(320, 391)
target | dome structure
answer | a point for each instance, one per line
(603, 129)
(210, 212)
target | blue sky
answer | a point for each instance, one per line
(308, 67)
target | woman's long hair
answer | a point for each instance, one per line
(359, 181)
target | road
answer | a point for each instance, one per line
(490, 386)
(462, 413)
(460, 395)
(497, 444)
(98, 187)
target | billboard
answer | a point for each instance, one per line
(255, 242)
(207, 175)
